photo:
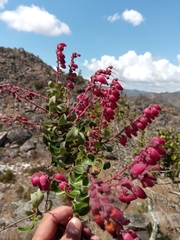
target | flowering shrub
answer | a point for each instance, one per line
(76, 135)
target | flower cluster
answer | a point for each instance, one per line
(62, 63)
(60, 56)
(102, 194)
(141, 122)
(43, 181)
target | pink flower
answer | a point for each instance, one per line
(139, 192)
(123, 140)
(59, 177)
(137, 169)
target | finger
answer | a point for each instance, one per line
(48, 225)
(87, 234)
(73, 230)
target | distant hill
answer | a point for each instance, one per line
(134, 92)
(173, 98)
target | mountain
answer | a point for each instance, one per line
(21, 68)
(173, 98)
(134, 92)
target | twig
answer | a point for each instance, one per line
(155, 221)
(20, 220)
(174, 192)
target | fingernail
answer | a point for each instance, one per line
(74, 226)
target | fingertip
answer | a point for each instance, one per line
(73, 230)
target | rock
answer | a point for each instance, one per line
(19, 135)
(2, 137)
(14, 145)
(1, 196)
(28, 145)
(139, 221)
(12, 153)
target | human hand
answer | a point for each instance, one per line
(60, 224)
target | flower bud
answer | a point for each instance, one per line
(70, 85)
(154, 111)
(140, 125)
(157, 107)
(35, 180)
(148, 113)
(123, 140)
(127, 236)
(110, 228)
(116, 215)
(112, 98)
(64, 186)
(99, 220)
(161, 150)
(147, 182)
(138, 169)
(159, 140)
(102, 79)
(139, 192)
(153, 153)
(109, 111)
(59, 177)
(126, 198)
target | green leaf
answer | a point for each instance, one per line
(73, 134)
(81, 138)
(84, 189)
(107, 165)
(72, 117)
(55, 150)
(108, 148)
(86, 181)
(52, 101)
(63, 148)
(37, 198)
(98, 145)
(57, 161)
(26, 229)
(79, 169)
(81, 208)
(106, 133)
(73, 194)
(51, 84)
(62, 108)
(48, 123)
(91, 157)
(99, 164)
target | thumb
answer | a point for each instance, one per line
(73, 230)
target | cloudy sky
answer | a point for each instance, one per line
(141, 38)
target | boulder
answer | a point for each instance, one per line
(28, 145)
(19, 135)
(2, 137)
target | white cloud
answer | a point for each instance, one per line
(141, 71)
(114, 17)
(2, 3)
(34, 19)
(133, 17)
(178, 58)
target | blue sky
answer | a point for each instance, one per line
(140, 38)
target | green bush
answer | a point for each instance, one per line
(7, 177)
(171, 161)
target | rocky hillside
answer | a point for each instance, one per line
(22, 152)
(22, 68)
